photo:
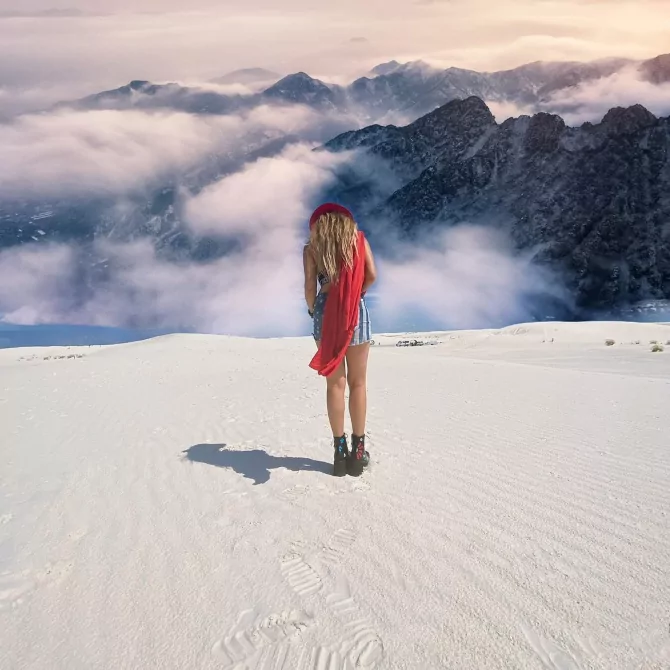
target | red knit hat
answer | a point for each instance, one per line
(328, 208)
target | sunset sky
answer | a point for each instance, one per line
(114, 41)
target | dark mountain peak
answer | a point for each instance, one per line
(366, 137)
(249, 75)
(417, 69)
(628, 120)
(361, 82)
(138, 84)
(139, 94)
(297, 84)
(459, 70)
(417, 66)
(302, 89)
(462, 122)
(385, 68)
(116, 97)
(135, 86)
(656, 70)
(471, 111)
(544, 132)
(299, 79)
(568, 194)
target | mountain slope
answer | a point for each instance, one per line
(414, 89)
(593, 201)
(294, 89)
(657, 70)
(147, 96)
(393, 91)
(246, 76)
(300, 88)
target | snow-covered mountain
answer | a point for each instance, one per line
(302, 89)
(392, 90)
(247, 76)
(145, 95)
(657, 70)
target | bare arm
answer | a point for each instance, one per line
(309, 266)
(370, 268)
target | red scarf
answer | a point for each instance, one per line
(340, 315)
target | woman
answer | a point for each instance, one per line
(339, 257)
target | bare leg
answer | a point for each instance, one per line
(357, 368)
(335, 387)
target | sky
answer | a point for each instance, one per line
(86, 43)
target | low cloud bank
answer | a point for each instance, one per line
(467, 277)
(591, 100)
(255, 290)
(115, 152)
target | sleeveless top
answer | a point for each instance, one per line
(322, 277)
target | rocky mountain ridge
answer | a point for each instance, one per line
(392, 91)
(592, 202)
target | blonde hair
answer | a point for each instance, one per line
(332, 240)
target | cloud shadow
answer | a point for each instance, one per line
(254, 464)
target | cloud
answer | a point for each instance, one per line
(51, 13)
(464, 277)
(468, 279)
(591, 101)
(114, 152)
(36, 282)
(24, 100)
(503, 110)
(97, 153)
(254, 290)
(266, 195)
(253, 293)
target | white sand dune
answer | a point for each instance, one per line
(168, 504)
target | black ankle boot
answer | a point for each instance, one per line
(359, 458)
(341, 456)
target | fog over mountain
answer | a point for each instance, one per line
(178, 205)
(395, 93)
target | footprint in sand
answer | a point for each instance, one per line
(302, 578)
(336, 550)
(325, 659)
(359, 645)
(360, 642)
(262, 644)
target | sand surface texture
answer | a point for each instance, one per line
(169, 504)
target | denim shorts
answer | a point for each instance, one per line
(362, 332)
